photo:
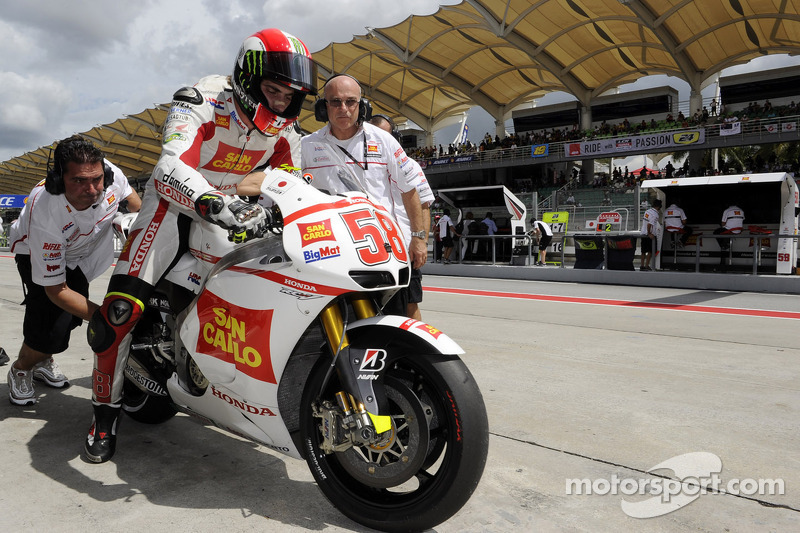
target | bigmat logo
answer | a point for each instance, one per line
(236, 335)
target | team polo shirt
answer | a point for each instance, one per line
(733, 219)
(57, 236)
(373, 161)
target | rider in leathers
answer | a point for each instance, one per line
(216, 133)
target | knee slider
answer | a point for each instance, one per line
(111, 323)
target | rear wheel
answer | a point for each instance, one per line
(426, 467)
(145, 408)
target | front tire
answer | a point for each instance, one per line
(430, 463)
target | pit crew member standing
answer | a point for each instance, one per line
(216, 133)
(651, 229)
(62, 241)
(544, 233)
(414, 289)
(378, 163)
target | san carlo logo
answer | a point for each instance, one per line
(311, 232)
(236, 335)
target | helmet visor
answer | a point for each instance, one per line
(295, 70)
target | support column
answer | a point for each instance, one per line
(695, 103)
(587, 165)
(500, 129)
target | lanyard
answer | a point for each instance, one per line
(363, 167)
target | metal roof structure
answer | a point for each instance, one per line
(498, 54)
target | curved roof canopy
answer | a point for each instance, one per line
(498, 54)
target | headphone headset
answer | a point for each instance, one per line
(395, 132)
(321, 110)
(54, 180)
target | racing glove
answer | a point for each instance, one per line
(242, 220)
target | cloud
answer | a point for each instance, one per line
(27, 120)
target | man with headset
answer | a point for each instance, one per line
(414, 289)
(377, 161)
(62, 241)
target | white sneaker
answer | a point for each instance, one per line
(49, 373)
(20, 387)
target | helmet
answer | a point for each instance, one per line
(274, 55)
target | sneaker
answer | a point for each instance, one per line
(20, 387)
(3, 357)
(49, 373)
(101, 441)
(644, 269)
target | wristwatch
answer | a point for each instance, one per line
(422, 234)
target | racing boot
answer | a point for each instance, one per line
(102, 438)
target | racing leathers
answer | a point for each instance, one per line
(206, 152)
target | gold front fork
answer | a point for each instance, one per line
(333, 324)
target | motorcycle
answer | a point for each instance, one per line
(281, 341)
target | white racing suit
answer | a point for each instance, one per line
(205, 147)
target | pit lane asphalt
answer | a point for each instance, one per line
(574, 390)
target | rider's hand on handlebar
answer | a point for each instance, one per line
(241, 219)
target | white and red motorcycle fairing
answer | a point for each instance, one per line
(282, 344)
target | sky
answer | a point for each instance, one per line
(68, 66)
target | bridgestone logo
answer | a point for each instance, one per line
(146, 383)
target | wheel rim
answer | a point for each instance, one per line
(396, 458)
(434, 468)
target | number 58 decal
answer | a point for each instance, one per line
(376, 236)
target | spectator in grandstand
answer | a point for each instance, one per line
(713, 107)
(650, 231)
(731, 224)
(543, 234)
(675, 223)
(62, 241)
(445, 226)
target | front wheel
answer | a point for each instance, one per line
(426, 467)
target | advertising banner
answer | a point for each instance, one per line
(10, 201)
(653, 141)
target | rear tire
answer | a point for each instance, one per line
(428, 469)
(145, 408)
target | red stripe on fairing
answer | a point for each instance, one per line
(331, 205)
(305, 286)
(621, 303)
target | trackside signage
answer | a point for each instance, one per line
(653, 141)
(11, 201)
